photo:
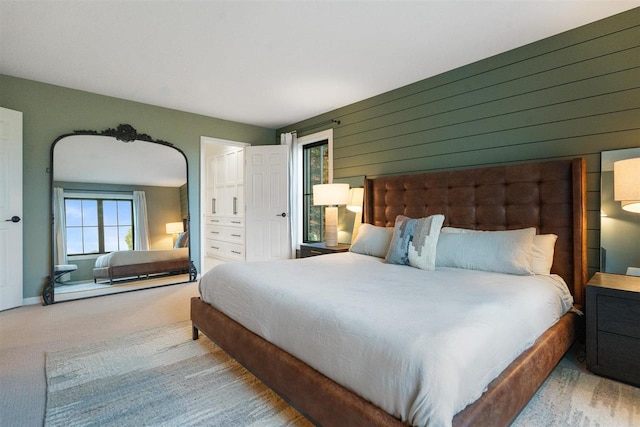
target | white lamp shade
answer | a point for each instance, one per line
(330, 194)
(356, 196)
(626, 184)
(174, 228)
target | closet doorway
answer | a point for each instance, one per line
(221, 201)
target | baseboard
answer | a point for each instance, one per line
(32, 301)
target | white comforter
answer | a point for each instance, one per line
(421, 345)
(140, 257)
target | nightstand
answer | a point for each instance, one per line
(613, 327)
(313, 249)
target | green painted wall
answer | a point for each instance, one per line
(573, 94)
(50, 111)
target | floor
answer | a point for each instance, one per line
(27, 333)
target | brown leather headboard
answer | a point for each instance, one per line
(550, 196)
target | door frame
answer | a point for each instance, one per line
(207, 141)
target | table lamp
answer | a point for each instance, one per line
(330, 196)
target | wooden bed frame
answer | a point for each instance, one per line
(549, 196)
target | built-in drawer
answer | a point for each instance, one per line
(618, 315)
(226, 250)
(226, 233)
(226, 220)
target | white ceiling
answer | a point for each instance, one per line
(268, 63)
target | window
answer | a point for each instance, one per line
(315, 170)
(313, 164)
(98, 225)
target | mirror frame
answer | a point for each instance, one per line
(124, 133)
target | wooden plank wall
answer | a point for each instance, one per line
(574, 94)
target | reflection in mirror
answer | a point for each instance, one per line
(620, 220)
(120, 218)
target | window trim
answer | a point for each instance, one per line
(297, 197)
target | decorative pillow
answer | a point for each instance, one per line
(402, 233)
(182, 241)
(422, 247)
(372, 240)
(542, 250)
(507, 251)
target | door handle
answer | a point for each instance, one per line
(283, 214)
(213, 205)
(235, 205)
(14, 218)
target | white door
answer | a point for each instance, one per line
(10, 208)
(267, 202)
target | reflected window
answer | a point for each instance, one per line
(98, 225)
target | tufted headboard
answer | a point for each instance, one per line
(550, 196)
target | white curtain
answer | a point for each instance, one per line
(141, 224)
(291, 141)
(59, 226)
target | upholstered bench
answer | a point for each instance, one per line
(60, 269)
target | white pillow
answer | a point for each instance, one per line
(372, 240)
(422, 247)
(542, 250)
(508, 251)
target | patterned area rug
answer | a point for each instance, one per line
(160, 377)
(574, 398)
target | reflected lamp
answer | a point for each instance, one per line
(174, 228)
(626, 184)
(330, 196)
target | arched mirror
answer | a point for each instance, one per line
(620, 212)
(120, 214)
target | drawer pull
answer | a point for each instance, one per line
(215, 232)
(236, 222)
(214, 247)
(215, 220)
(236, 235)
(236, 252)
(315, 252)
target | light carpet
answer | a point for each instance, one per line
(161, 377)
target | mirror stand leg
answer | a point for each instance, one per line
(47, 292)
(193, 272)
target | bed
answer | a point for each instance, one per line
(548, 196)
(124, 264)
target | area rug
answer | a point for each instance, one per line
(570, 397)
(161, 377)
(158, 377)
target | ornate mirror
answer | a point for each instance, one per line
(620, 212)
(119, 214)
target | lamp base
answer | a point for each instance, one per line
(331, 226)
